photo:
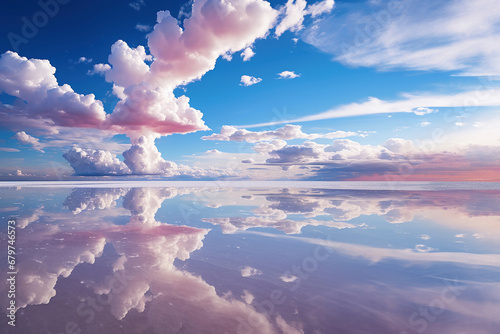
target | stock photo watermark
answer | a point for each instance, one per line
(90, 306)
(438, 136)
(30, 25)
(372, 28)
(11, 271)
(420, 320)
(293, 278)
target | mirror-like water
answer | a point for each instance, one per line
(253, 260)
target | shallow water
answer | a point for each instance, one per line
(253, 258)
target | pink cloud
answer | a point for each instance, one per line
(33, 82)
(144, 83)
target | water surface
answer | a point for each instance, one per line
(254, 258)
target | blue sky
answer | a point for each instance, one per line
(342, 55)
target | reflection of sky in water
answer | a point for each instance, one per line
(236, 260)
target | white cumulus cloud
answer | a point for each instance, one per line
(247, 80)
(94, 162)
(247, 54)
(288, 75)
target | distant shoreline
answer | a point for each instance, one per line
(332, 185)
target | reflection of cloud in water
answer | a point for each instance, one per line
(468, 210)
(288, 226)
(169, 299)
(42, 261)
(173, 300)
(27, 219)
(93, 199)
(249, 271)
(146, 253)
(178, 300)
(144, 203)
(418, 255)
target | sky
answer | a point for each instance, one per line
(399, 90)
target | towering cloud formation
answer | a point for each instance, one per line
(143, 158)
(148, 106)
(144, 83)
(140, 274)
(95, 162)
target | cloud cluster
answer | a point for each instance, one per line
(275, 207)
(140, 275)
(265, 147)
(304, 153)
(339, 152)
(95, 162)
(82, 199)
(345, 158)
(144, 82)
(146, 107)
(288, 226)
(142, 158)
(396, 159)
(287, 132)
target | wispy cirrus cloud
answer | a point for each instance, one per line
(417, 103)
(376, 254)
(459, 36)
(137, 5)
(84, 60)
(9, 149)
